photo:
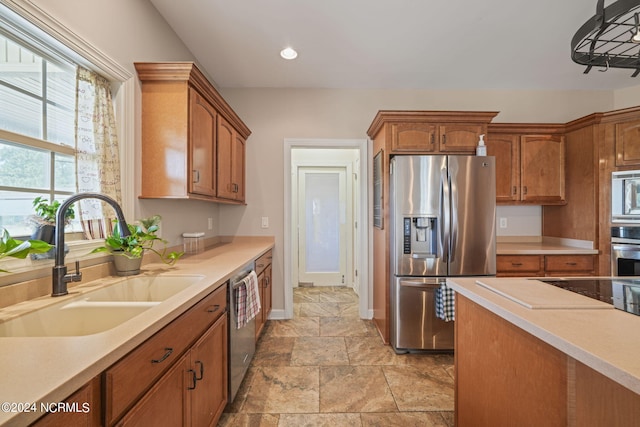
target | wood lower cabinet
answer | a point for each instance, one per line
(187, 355)
(628, 143)
(263, 270)
(85, 409)
(166, 403)
(530, 163)
(505, 376)
(545, 265)
(192, 141)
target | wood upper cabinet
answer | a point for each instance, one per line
(542, 168)
(184, 123)
(413, 137)
(628, 143)
(530, 163)
(231, 161)
(202, 153)
(460, 137)
(418, 132)
(506, 149)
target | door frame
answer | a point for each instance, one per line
(365, 290)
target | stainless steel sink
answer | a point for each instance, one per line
(99, 310)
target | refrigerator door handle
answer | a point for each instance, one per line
(445, 214)
(454, 220)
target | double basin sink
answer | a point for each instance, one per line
(98, 310)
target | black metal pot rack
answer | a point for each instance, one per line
(605, 39)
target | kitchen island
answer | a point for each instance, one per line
(528, 353)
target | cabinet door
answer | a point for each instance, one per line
(456, 137)
(506, 150)
(628, 143)
(209, 367)
(569, 265)
(237, 167)
(267, 301)
(519, 265)
(413, 137)
(542, 168)
(166, 403)
(259, 317)
(87, 401)
(230, 162)
(202, 125)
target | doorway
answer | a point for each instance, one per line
(326, 230)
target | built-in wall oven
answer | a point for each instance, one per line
(625, 250)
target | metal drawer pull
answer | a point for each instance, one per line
(260, 265)
(213, 309)
(572, 263)
(168, 351)
(201, 370)
(195, 380)
(516, 264)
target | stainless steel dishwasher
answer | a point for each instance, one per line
(242, 342)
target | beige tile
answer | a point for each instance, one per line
(344, 327)
(319, 309)
(274, 351)
(297, 327)
(403, 419)
(248, 420)
(417, 388)
(320, 420)
(243, 390)
(280, 390)
(338, 296)
(348, 309)
(319, 351)
(449, 417)
(426, 359)
(300, 295)
(354, 389)
(369, 351)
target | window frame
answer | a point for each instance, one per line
(42, 26)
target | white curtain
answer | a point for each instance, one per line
(97, 157)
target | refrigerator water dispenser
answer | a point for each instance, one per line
(420, 236)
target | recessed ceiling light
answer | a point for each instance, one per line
(288, 53)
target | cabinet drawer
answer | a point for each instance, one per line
(582, 263)
(263, 262)
(130, 377)
(519, 263)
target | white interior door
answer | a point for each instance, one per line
(322, 225)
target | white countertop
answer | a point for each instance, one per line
(49, 369)
(607, 340)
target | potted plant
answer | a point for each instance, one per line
(45, 219)
(10, 247)
(128, 250)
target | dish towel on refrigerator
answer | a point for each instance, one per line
(445, 303)
(247, 299)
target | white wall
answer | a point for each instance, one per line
(630, 97)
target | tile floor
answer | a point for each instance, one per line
(327, 367)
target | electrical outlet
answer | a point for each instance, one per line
(265, 222)
(210, 223)
(503, 222)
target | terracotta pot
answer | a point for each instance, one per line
(126, 266)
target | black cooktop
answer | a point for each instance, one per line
(623, 294)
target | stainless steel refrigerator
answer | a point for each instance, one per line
(442, 219)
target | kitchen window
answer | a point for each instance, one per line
(52, 138)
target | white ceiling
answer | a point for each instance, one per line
(394, 44)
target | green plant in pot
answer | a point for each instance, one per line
(10, 247)
(128, 250)
(44, 222)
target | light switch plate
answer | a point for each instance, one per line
(503, 222)
(265, 222)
